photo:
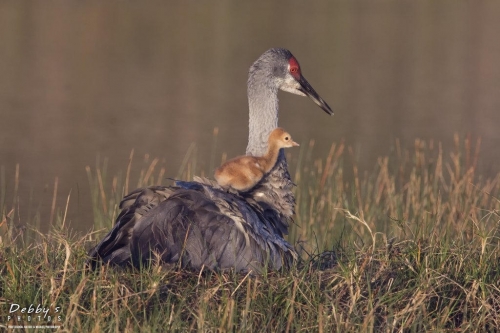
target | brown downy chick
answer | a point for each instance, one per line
(244, 172)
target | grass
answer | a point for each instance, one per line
(412, 246)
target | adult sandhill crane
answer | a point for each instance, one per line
(199, 224)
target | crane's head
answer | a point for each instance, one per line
(283, 72)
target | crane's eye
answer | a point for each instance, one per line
(293, 66)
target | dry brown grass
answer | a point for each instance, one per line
(411, 246)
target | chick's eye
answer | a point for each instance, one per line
(286, 138)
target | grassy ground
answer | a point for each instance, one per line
(411, 246)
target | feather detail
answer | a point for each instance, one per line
(200, 224)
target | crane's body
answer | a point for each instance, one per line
(197, 223)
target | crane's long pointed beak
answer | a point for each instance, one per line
(309, 91)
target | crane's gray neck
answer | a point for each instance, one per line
(263, 104)
(275, 190)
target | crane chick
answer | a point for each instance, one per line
(244, 172)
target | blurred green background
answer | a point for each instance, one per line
(99, 78)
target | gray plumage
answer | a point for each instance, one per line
(198, 224)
